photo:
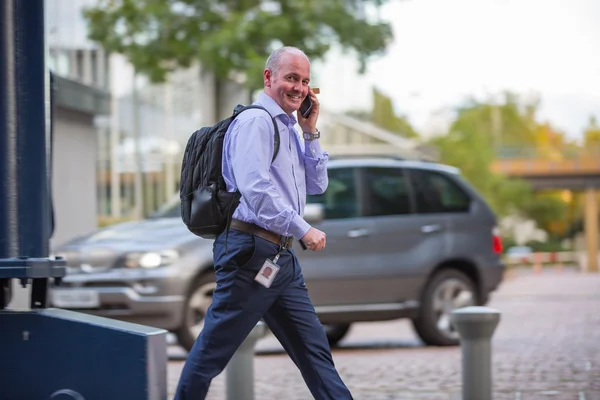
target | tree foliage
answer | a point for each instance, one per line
(591, 135)
(384, 116)
(228, 36)
(509, 124)
(483, 131)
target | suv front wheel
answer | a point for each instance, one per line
(196, 305)
(447, 290)
(335, 333)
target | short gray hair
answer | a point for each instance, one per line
(274, 60)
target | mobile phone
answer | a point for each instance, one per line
(306, 106)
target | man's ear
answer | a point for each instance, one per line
(267, 75)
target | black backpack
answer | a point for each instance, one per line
(206, 205)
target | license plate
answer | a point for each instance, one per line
(75, 299)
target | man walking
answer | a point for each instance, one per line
(264, 225)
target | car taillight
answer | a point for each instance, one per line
(496, 241)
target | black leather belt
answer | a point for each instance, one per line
(284, 241)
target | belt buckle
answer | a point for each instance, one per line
(286, 241)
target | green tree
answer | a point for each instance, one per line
(481, 132)
(473, 140)
(591, 135)
(550, 143)
(473, 154)
(384, 116)
(229, 37)
(158, 36)
(507, 125)
(547, 210)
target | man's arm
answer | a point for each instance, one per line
(315, 159)
(251, 154)
(315, 165)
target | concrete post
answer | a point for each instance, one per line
(476, 326)
(591, 229)
(240, 370)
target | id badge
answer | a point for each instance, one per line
(267, 273)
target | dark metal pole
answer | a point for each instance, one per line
(30, 71)
(9, 196)
(9, 232)
(34, 199)
(24, 149)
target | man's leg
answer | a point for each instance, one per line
(238, 304)
(293, 320)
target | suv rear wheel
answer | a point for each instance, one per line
(196, 305)
(447, 290)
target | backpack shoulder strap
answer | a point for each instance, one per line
(276, 139)
(237, 110)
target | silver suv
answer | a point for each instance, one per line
(405, 239)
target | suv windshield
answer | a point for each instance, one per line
(171, 209)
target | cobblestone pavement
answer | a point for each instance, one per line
(547, 346)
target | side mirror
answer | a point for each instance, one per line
(314, 213)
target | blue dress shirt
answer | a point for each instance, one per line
(273, 195)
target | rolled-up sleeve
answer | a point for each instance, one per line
(251, 160)
(315, 163)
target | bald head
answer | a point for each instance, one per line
(286, 77)
(277, 57)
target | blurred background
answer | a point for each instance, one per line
(505, 90)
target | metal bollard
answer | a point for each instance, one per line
(476, 326)
(239, 374)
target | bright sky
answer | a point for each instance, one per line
(446, 50)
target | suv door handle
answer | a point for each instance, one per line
(431, 228)
(356, 233)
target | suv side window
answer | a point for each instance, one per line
(437, 193)
(388, 191)
(340, 199)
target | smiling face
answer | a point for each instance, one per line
(287, 84)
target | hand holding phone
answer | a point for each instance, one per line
(308, 112)
(307, 104)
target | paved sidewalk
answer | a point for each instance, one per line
(547, 346)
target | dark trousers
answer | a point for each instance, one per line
(239, 302)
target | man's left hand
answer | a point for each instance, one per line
(309, 125)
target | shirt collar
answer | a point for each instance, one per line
(272, 107)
